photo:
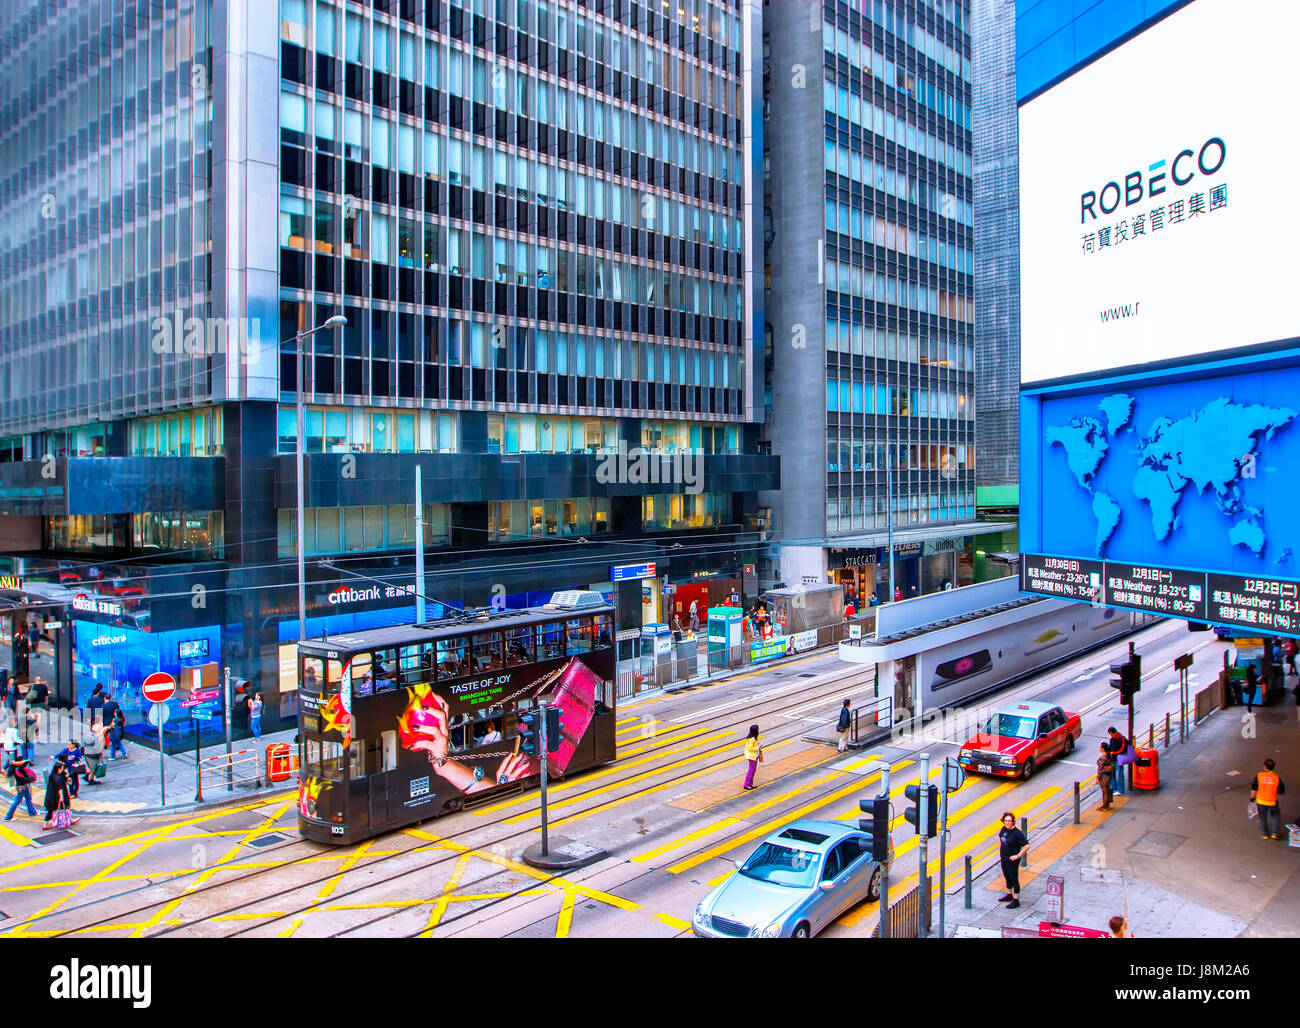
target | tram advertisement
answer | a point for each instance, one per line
(426, 744)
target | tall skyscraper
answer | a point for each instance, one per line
(870, 303)
(536, 218)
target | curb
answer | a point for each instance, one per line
(7, 795)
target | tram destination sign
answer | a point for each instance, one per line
(1270, 606)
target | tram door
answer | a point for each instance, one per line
(381, 762)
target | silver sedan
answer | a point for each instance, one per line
(797, 882)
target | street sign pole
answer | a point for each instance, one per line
(950, 765)
(198, 757)
(923, 813)
(544, 753)
(884, 871)
(225, 704)
(162, 769)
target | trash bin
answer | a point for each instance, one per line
(278, 765)
(1146, 769)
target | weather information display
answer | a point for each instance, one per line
(1269, 605)
(1065, 577)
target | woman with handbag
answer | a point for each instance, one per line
(1121, 751)
(753, 754)
(58, 802)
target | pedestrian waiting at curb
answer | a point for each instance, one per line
(842, 727)
(1013, 845)
(1121, 751)
(23, 775)
(255, 715)
(753, 754)
(1265, 789)
(1105, 775)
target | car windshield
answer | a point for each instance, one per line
(1010, 726)
(783, 865)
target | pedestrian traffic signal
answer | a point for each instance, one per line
(1128, 678)
(528, 726)
(553, 733)
(876, 827)
(913, 813)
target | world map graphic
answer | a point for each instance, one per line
(1214, 450)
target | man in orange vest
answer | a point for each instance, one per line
(1264, 790)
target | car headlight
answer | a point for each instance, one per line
(701, 918)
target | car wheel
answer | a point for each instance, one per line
(1068, 748)
(1029, 768)
(801, 931)
(873, 887)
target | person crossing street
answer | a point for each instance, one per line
(842, 727)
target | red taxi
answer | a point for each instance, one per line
(1019, 737)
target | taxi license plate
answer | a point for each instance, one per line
(985, 768)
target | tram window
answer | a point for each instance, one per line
(460, 736)
(313, 670)
(604, 629)
(356, 759)
(385, 670)
(451, 658)
(415, 664)
(313, 758)
(331, 761)
(577, 636)
(363, 681)
(550, 640)
(487, 651)
(334, 674)
(487, 729)
(519, 645)
(389, 748)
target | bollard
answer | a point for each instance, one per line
(1024, 827)
(968, 882)
(1166, 729)
(1151, 736)
(1076, 803)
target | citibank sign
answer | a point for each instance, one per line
(91, 605)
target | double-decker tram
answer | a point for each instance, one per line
(398, 725)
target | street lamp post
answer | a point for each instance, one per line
(337, 321)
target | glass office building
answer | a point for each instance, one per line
(870, 304)
(538, 219)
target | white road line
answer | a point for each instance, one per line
(1076, 763)
(781, 690)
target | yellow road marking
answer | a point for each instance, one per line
(565, 922)
(680, 747)
(552, 805)
(328, 888)
(524, 869)
(626, 720)
(294, 925)
(656, 788)
(50, 908)
(9, 835)
(745, 814)
(440, 907)
(675, 736)
(673, 922)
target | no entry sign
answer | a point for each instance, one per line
(158, 687)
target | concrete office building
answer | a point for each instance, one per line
(870, 342)
(537, 218)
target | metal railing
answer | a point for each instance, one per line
(670, 670)
(871, 719)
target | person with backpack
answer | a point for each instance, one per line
(115, 733)
(23, 775)
(57, 796)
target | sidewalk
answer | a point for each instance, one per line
(1186, 858)
(131, 786)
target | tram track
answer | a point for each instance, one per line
(793, 697)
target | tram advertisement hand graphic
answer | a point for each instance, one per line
(423, 724)
(514, 767)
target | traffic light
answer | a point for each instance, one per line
(913, 813)
(553, 734)
(876, 826)
(528, 735)
(1128, 680)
